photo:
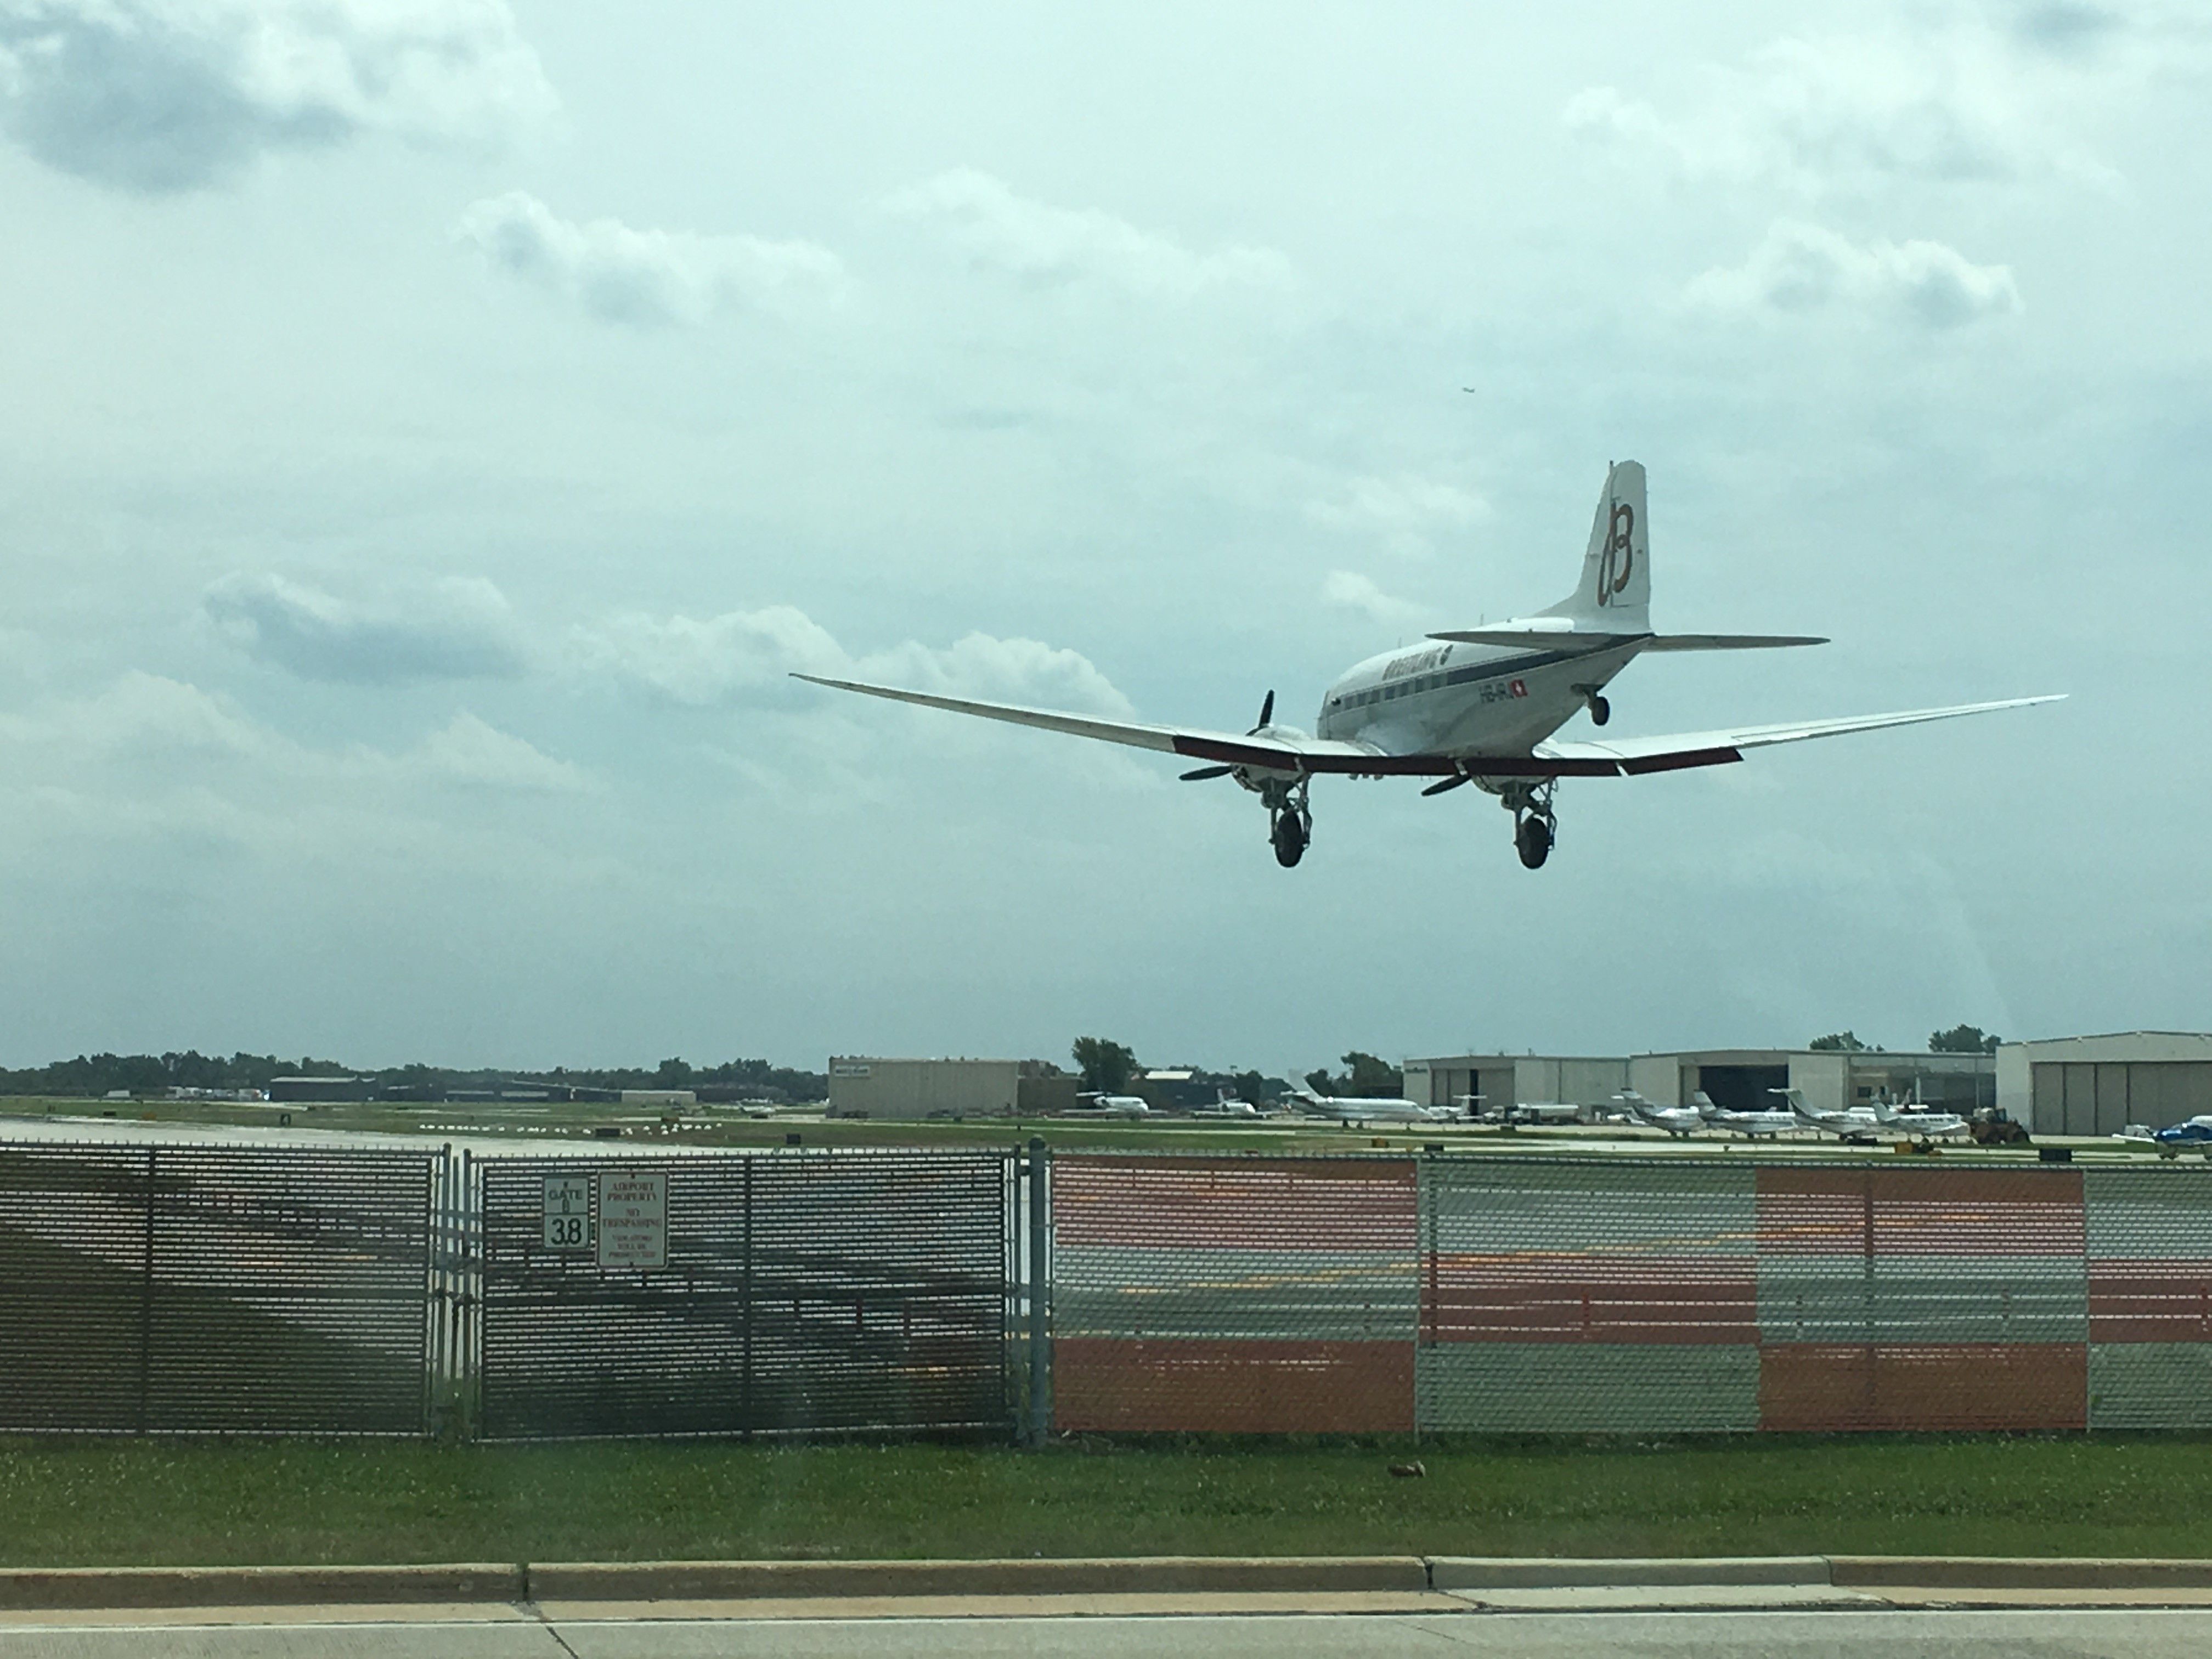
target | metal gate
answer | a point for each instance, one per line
(790, 1291)
(204, 1289)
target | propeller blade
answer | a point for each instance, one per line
(1208, 772)
(1448, 783)
(1267, 712)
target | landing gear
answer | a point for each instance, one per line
(1532, 837)
(1290, 821)
(1600, 711)
(1535, 826)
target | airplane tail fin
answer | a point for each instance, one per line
(1703, 1102)
(1615, 595)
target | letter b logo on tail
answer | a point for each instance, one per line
(1619, 557)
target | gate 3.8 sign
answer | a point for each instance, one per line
(569, 1213)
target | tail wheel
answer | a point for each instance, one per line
(1600, 711)
(1533, 839)
(1290, 839)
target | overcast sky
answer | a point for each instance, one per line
(434, 428)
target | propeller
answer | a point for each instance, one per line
(1266, 714)
(1448, 783)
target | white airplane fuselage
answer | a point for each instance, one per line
(1352, 1109)
(1466, 699)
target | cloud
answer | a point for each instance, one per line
(624, 274)
(1803, 268)
(1404, 512)
(1055, 247)
(748, 656)
(1812, 113)
(1347, 590)
(461, 629)
(141, 713)
(166, 95)
(468, 751)
(145, 720)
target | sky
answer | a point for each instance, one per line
(434, 429)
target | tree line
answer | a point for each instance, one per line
(93, 1075)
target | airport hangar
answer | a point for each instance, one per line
(2099, 1085)
(2084, 1086)
(1735, 1080)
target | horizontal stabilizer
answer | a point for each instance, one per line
(1554, 637)
(1729, 641)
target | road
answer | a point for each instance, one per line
(2049, 1634)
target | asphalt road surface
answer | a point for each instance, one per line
(2055, 1634)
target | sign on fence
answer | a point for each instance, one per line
(568, 1212)
(633, 1219)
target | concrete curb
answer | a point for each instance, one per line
(2001, 1572)
(32, 1589)
(84, 1588)
(1457, 1573)
(742, 1580)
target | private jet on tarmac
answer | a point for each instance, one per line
(1475, 706)
(1116, 1105)
(1674, 1120)
(1743, 1123)
(1915, 1119)
(1852, 1123)
(1357, 1108)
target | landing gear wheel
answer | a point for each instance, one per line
(1290, 839)
(1600, 711)
(1532, 837)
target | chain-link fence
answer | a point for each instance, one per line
(213, 1289)
(1554, 1294)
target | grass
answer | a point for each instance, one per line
(141, 1502)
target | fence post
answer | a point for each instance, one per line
(1039, 1290)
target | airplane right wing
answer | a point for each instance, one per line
(1672, 753)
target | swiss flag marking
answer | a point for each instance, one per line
(1520, 688)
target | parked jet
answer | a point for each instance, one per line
(1917, 1120)
(1478, 705)
(1116, 1105)
(1680, 1120)
(1743, 1123)
(1852, 1123)
(1355, 1108)
(1544, 1111)
(1226, 1105)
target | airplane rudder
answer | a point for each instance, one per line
(1616, 581)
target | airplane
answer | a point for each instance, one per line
(1226, 1105)
(1674, 1120)
(1919, 1119)
(1743, 1123)
(1357, 1108)
(1116, 1105)
(1852, 1123)
(1478, 705)
(2170, 1140)
(1543, 1111)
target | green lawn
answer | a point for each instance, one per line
(131, 1502)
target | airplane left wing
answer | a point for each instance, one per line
(1293, 756)
(1672, 753)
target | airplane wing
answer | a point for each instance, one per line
(1665, 754)
(1582, 757)
(1293, 756)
